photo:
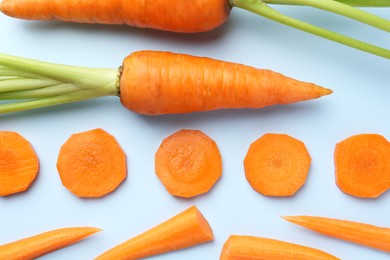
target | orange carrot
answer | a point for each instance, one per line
(189, 16)
(91, 164)
(360, 233)
(277, 165)
(44, 243)
(152, 82)
(184, 230)
(180, 16)
(362, 165)
(188, 163)
(19, 164)
(259, 248)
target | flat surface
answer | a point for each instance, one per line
(359, 104)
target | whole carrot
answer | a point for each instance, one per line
(151, 82)
(41, 244)
(189, 16)
(359, 233)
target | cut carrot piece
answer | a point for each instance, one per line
(184, 230)
(41, 244)
(360, 233)
(188, 163)
(277, 165)
(91, 164)
(251, 247)
(19, 164)
(362, 165)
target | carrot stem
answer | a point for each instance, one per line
(261, 7)
(366, 3)
(38, 84)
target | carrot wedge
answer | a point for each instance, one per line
(186, 229)
(359, 233)
(251, 247)
(41, 244)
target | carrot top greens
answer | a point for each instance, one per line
(341, 7)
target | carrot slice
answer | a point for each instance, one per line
(184, 230)
(360, 233)
(251, 247)
(188, 163)
(41, 244)
(91, 164)
(277, 165)
(19, 164)
(362, 165)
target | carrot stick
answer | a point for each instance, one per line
(250, 247)
(360, 233)
(277, 165)
(362, 165)
(44, 243)
(186, 229)
(188, 163)
(19, 164)
(153, 83)
(189, 16)
(91, 163)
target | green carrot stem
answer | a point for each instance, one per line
(261, 8)
(51, 91)
(366, 3)
(45, 84)
(341, 9)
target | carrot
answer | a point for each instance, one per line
(259, 248)
(277, 165)
(186, 229)
(44, 243)
(91, 163)
(360, 233)
(188, 163)
(362, 165)
(189, 16)
(19, 164)
(153, 83)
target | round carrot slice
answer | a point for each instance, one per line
(188, 163)
(91, 164)
(277, 165)
(362, 165)
(19, 164)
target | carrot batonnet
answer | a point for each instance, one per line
(188, 163)
(356, 232)
(277, 165)
(190, 16)
(186, 229)
(91, 163)
(19, 164)
(259, 248)
(362, 165)
(152, 83)
(44, 243)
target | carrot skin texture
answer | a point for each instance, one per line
(186, 229)
(156, 83)
(359, 233)
(19, 164)
(259, 248)
(186, 16)
(41, 244)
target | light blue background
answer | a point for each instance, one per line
(360, 104)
